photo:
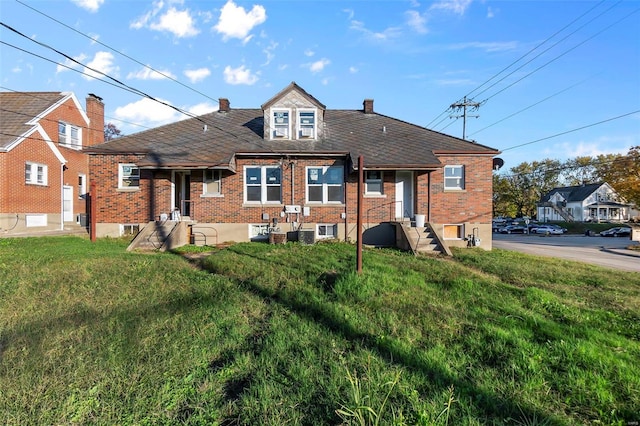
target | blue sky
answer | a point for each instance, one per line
(540, 69)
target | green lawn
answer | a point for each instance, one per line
(259, 334)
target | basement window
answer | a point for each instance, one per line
(129, 229)
(326, 231)
(453, 232)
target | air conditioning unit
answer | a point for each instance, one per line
(292, 209)
(282, 132)
(306, 132)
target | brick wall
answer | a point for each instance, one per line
(473, 204)
(18, 196)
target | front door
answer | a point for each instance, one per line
(181, 193)
(404, 194)
(67, 204)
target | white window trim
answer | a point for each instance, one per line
(217, 176)
(274, 127)
(327, 226)
(301, 126)
(325, 186)
(367, 181)
(134, 229)
(65, 139)
(121, 176)
(33, 174)
(460, 187)
(263, 184)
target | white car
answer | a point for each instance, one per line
(547, 230)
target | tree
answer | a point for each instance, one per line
(111, 132)
(579, 171)
(518, 192)
(622, 172)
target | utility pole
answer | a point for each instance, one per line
(466, 103)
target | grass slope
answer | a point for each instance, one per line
(288, 334)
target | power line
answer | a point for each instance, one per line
(559, 56)
(519, 59)
(572, 130)
(95, 40)
(530, 106)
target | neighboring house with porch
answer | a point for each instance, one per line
(584, 203)
(43, 170)
(238, 174)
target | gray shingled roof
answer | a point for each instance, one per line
(572, 193)
(384, 142)
(17, 108)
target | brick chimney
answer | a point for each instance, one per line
(368, 106)
(223, 105)
(95, 112)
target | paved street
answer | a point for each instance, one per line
(608, 252)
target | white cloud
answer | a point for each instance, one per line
(195, 76)
(240, 75)
(149, 74)
(458, 7)
(90, 5)
(601, 146)
(69, 64)
(202, 108)
(103, 62)
(417, 21)
(235, 22)
(179, 23)
(147, 112)
(387, 34)
(486, 46)
(318, 66)
(490, 13)
(454, 82)
(325, 81)
(353, 70)
(309, 53)
(268, 51)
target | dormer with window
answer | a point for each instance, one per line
(293, 114)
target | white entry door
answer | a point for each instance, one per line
(404, 194)
(67, 204)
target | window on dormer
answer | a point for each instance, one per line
(307, 124)
(281, 124)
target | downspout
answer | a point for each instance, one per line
(62, 166)
(429, 197)
(293, 183)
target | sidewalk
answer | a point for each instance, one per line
(623, 252)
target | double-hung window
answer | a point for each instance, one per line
(128, 176)
(262, 184)
(281, 128)
(325, 184)
(373, 182)
(212, 182)
(35, 173)
(69, 135)
(454, 177)
(306, 124)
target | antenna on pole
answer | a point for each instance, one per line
(466, 103)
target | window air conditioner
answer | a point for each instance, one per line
(281, 132)
(292, 209)
(306, 132)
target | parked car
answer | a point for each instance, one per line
(513, 229)
(547, 230)
(619, 231)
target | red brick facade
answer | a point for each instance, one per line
(64, 167)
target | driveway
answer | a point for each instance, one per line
(602, 251)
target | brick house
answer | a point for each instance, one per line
(237, 174)
(43, 170)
